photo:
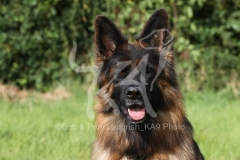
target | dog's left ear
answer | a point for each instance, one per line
(156, 33)
(107, 37)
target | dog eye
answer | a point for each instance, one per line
(123, 73)
(149, 70)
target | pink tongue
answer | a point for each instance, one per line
(136, 113)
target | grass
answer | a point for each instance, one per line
(216, 122)
(28, 130)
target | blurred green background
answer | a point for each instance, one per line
(36, 38)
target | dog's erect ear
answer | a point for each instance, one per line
(156, 32)
(107, 36)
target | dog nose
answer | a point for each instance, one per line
(133, 92)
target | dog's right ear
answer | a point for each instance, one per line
(156, 32)
(107, 37)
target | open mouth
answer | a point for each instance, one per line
(136, 112)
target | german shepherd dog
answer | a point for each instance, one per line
(139, 108)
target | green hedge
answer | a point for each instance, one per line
(36, 38)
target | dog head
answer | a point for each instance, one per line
(133, 77)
